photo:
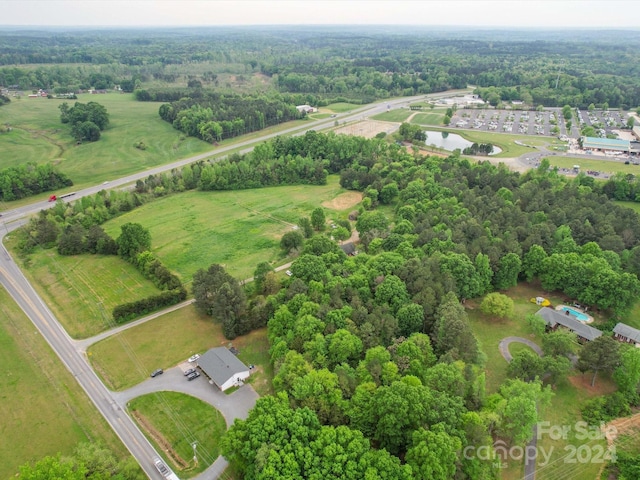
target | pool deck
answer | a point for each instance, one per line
(588, 320)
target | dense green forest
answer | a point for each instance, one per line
(550, 68)
(373, 354)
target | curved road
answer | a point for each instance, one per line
(29, 301)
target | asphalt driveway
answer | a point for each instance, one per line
(235, 405)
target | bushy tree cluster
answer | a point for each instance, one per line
(30, 179)
(128, 311)
(90, 461)
(133, 245)
(219, 295)
(213, 117)
(76, 239)
(86, 120)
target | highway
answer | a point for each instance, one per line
(26, 297)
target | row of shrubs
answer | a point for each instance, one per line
(128, 311)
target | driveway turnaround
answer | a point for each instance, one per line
(235, 405)
(232, 406)
(505, 342)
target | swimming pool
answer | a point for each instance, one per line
(574, 313)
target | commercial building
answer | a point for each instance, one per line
(223, 368)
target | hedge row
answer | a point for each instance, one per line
(128, 311)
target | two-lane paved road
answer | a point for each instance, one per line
(28, 300)
(23, 293)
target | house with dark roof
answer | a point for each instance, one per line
(349, 248)
(554, 319)
(223, 368)
(625, 333)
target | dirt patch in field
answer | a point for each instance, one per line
(622, 426)
(368, 128)
(160, 440)
(583, 382)
(343, 201)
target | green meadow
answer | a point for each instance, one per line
(569, 395)
(38, 136)
(396, 115)
(428, 118)
(126, 358)
(237, 229)
(82, 290)
(173, 422)
(40, 399)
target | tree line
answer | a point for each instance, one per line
(30, 179)
(377, 347)
(541, 68)
(214, 117)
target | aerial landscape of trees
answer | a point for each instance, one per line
(377, 371)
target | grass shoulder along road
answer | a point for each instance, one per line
(82, 290)
(173, 422)
(44, 411)
(127, 358)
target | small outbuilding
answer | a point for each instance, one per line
(554, 318)
(625, 333)
(223, 368)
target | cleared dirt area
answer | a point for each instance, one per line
(343, 201)
(368, 128)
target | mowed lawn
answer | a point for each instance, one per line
(396, 115)
(82, 290)
(237, 229)
(503, 140)
(173, 422)
(428, 119)
(38, 136)
(600, 165)
(128, 357)
(569, 395)
(44, 411)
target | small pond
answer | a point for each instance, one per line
(451, 141)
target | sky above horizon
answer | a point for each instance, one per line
(490, 13)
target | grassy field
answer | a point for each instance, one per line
(82, 290)
(126, 358)
(341, 107)
(505, 141)
(569, 395)
(237, 229)
(173, 422)
(428, 119)
(608, 166)
(44, 411)
(632, 205)
(396, 115)
(39, 136)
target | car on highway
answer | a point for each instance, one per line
(189, 371)
(193, 376)
(157, 372)
(194, 357)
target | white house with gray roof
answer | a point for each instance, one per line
(553, 319)
(223, 368)
(627, 334)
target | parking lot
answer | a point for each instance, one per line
(524, 122)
